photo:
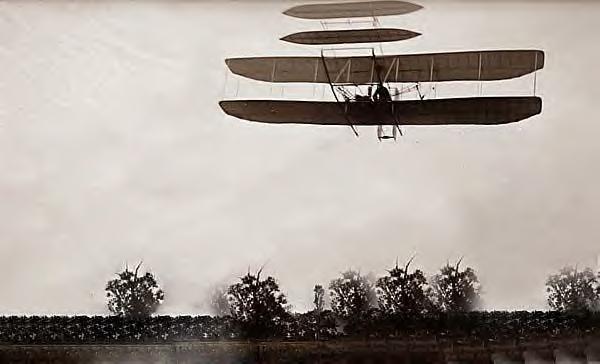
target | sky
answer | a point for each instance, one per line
(113, 150)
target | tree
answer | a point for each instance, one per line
(133, 296)
(573, 290)
(258, 306)
(319, 299)
(319, 302)
(402, 292)
(455, 290)
(352, 295)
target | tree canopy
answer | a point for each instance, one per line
(402, 291)
(455, 290)
(132, 295)
(258, 306)
(573, 290)
(352, 295)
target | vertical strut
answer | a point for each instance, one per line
(274, 70)
(316, 77)
(273, 74)
(431, 71)
(479, 75)
(431, 85)
(535, 74)
(349, 70)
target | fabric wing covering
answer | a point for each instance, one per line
(350, 36)
(352, 9)
(474, 111)
(433, 67)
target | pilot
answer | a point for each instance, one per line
(382, 94)
(382, 100)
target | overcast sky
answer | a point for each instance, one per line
(113, 150)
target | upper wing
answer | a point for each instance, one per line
(436, 67)
(476, 110)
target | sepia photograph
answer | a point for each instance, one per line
(299, 182)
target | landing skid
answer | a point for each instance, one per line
(382, 135)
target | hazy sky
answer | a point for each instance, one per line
(113, 149)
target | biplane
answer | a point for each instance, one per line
(362, 85)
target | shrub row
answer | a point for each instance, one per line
(479, 326)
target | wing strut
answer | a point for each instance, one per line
(535, 75)
(344, 109)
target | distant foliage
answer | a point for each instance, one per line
(319, 298)
(219, 301)
(133, 296)
(352, 295)
(573, 290)
(258, 306)
(314, 325)
(455, 290)
(402, 291)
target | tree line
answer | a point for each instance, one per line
(260, 308)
